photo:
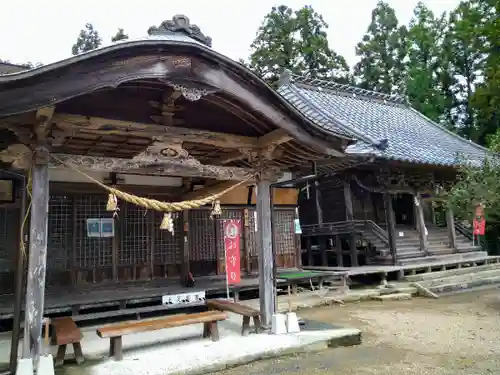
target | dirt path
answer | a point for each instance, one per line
(457, 335)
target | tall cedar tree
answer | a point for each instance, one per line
(382, 53)
(427, 71)
(297, 41)
(120, 35)
(486, 98)
(467, 58)
(88, 39)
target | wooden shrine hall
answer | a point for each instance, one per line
(376, 206)
(163, 117)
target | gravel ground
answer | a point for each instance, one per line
(456, 335)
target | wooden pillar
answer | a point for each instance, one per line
(35, 290)
(424, 247)
(452, 235)
(338, 250)
(185, 246)
(391, 226)
(266, 261)
(310, 260)
(298, 242)
(349, 214)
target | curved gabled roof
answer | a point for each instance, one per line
(384, 125)
(174, 37)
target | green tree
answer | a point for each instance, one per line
(476, 185)
(120, 35)
(297, 41)
(87, 40)
(467, 60)
(382, 53)
(428, 76)
(486, 99)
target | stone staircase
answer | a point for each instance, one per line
(408, 247)
(459, 279)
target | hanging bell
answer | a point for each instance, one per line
(167, 223)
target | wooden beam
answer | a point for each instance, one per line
(276, 137)
(165, 166)
(209, 190)
(99, 125)
(44, 116)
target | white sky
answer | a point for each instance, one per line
(44, 31)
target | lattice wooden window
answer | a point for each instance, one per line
(9, 222)
(284, 235)
(201, 235)
(60, 233)
(135, 233)
(167, 247)
(91, 252)
(252, 241)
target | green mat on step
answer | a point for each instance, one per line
(299, 275)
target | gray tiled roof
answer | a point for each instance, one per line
(384, 125)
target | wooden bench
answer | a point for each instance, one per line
(115, 331)
(65, 331)
(237, 308)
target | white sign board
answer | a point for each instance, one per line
(183, 298)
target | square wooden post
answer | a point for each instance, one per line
(391, 226)
(35, 290)
(452, 235)
(424, 247)
(349, 214)
(266, 261)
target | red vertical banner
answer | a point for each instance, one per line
(479, 222)
(232, 231)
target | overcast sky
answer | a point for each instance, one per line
(44, 31)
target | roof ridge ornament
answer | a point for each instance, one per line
(180, 24)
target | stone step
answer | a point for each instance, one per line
(458, 271)
(393, 297)
(444, 258)
(462, 278)
(461, 286)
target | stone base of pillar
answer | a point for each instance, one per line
(25, 366)
(45, 365)
(292, 323)
(278, 324)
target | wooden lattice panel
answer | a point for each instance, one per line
(167, 246)
(201, 236)
(9, 222)
(284, 235)
(91, 252)
(135, 234)
(60, 233)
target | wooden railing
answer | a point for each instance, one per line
(346, 227)
(378, 232)
(462, 229)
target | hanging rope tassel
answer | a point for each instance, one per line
(112, 204)
(167, 223)
(216, 210)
